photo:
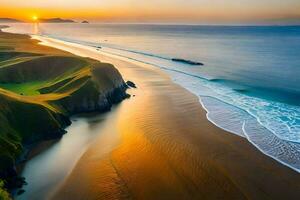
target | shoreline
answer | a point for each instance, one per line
(235, 140)
(138, 62)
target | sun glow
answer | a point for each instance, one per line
(34, 18)
(196, 11)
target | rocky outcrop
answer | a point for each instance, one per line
(102, 102)
(131, 84)
(189, 62)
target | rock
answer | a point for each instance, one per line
(85, 22)
(131, 84)
(189, 62)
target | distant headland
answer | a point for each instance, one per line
(10, 20)
(56, 20)
(42, 20)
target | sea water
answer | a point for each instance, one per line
(249, 83)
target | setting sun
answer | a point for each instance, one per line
(34, 18)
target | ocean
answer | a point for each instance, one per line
(249, 83)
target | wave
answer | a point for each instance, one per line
(242, 121)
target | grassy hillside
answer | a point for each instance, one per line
(40, 87)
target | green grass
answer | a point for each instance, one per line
(4, 195)
(27, 88)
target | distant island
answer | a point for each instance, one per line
(10, 20)
(85, 22)
(56, 20)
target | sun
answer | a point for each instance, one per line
(34, 18)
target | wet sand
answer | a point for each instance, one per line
(165, 148)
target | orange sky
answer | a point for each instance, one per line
(196, 11)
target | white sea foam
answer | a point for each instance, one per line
(250, 117)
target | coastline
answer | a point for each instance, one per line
(230, 166)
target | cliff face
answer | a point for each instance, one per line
(98, 92)
(24, 122)
(94, 101)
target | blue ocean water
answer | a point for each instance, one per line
(249, 84)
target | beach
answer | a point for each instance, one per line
(164, 147)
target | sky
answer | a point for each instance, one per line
(164, 11)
